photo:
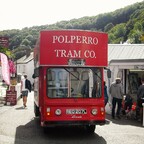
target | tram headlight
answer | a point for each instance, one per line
(58, 112)
(48, 111)
(102, 110)
(94, 111)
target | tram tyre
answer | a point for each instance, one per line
(90, 129)
(45, 130)
(36, 110)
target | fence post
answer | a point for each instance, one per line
(143, 113)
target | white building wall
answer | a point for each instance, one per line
(27, 68)
(30, 70)
(20, 68)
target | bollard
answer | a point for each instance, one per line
(143, 113)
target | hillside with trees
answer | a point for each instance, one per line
(122, 25)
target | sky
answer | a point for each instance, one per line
(18, 14)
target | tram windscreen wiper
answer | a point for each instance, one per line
(71, 73)
(96, 73)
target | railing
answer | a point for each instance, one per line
(143, 114)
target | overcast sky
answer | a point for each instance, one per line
(17, 14)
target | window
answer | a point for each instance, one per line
(74, 82)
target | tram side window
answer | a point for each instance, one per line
(62, 79)
(50, 77)
(74, 84)
(97, 85)
(57, 83)
(63, 83)
(85, 90)
(50, 82)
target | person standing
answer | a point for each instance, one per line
(140, 98)
(25, 88)
(117, 96)
(105, 93)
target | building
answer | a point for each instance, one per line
(25, 65)
(127, 62)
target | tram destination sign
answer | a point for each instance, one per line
(76, 62)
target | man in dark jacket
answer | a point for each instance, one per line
(25, 87)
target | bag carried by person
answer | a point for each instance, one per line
(28, 85)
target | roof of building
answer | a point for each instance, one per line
(25, 59)
(125, 52)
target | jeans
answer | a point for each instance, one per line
(106, 100)
(119, 103)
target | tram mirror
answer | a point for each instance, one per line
(33, 76)
(108, 73)
(36, 73)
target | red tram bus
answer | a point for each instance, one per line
(68, 78)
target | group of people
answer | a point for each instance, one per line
(116, 93)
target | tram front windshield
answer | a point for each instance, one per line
(74, 82)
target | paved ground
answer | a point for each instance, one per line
(19, 126)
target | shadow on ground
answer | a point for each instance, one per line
(32, 133)
(124, 121)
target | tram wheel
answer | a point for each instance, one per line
(90, 128)
(36, 110)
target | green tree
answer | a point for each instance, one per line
(108, 27)
(120, 30)
(135, 36)
(26, 42)
(6, 51)
(116, 34)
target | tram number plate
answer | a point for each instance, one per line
(76, 111)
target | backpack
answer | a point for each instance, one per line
(28, 85)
